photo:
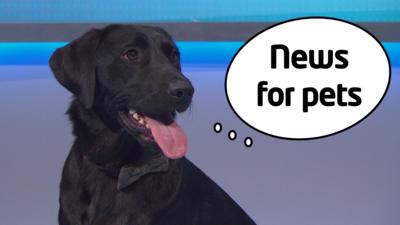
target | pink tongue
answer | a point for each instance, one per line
(170, 138)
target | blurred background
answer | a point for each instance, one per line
(352, 178)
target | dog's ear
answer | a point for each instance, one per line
(74, 66)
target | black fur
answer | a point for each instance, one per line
(112, 176)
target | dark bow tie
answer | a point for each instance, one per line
(129, 175)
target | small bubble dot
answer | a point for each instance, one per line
(232, 135)
(248, 142)
(217, 127)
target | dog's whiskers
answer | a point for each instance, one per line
(146, 97)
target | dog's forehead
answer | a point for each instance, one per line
(127, 33)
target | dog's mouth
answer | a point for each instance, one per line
(170, 138)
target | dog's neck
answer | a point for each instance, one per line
(115, 151)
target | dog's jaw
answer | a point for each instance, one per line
(170, 138)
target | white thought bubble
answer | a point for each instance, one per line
(307, 78)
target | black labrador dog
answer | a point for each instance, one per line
(127, 164)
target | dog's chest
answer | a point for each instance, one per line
(137, 205)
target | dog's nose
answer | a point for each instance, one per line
(181, 91)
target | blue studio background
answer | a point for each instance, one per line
(122, 11)
(78, 11)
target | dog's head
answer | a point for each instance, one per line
(130, 76)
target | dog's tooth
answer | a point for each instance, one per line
(136, 116)
(141, 121)
(131, 111)
(147, 126)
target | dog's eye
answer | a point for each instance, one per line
(131, 55)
